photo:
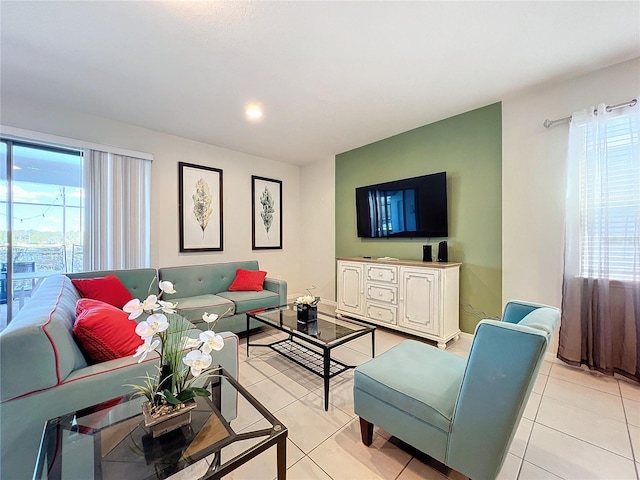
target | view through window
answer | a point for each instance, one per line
(41, 231)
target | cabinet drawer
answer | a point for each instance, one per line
(382, 313)
(382, 293)
(382, 273)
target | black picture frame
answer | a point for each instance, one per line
(266, 213)
(201, 230)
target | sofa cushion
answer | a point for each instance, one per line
(248, 281)
(104, 332)
(245, 301)
(192, 308)
(108, 289)
(397, 377)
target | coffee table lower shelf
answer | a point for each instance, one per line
(308, 358)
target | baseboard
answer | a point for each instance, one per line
(552, 357)
(466, 336)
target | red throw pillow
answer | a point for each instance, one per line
(104, 332)
(107, 289)
(248, 281)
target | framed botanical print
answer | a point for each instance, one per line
(200, 208)
(266, 213)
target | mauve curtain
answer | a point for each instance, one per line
(117, 211)
(600, 324)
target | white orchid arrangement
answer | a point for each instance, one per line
(172, 384)
(308, 299)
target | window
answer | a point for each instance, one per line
(41, 233)
(601, 284)
(609, 196)
(68, 210)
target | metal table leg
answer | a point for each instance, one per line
(282, 459)
(373, 343)
(327, 360)
(248, 335)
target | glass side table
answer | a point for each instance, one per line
(110, 441)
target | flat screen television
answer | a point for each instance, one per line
(411, 207)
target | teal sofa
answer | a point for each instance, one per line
(205, 288)
(463, 413)
(43, 373)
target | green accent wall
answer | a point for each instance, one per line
(469, 148)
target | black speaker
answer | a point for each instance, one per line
(426, 253)
(443, 254)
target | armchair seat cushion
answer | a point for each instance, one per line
(398, 377)
(192, 308)
(245, 301)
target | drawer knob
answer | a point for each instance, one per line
(380, 294)
(379, 314)
(380, 274)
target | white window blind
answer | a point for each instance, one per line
(609, 159)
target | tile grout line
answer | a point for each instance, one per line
(633, 453)
(572, 436)
(325, 472)
(535, 417)
(585, 441)
(583, 372)
(626, 423)
(325, 440)
(404, 468)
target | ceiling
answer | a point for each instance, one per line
(330, 76)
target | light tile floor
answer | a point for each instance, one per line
(577, 424)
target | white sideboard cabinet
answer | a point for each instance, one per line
(421, 298)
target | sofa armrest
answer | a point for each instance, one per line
(277, 286)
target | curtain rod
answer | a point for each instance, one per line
(549, 123)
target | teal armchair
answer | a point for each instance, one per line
(463, 413)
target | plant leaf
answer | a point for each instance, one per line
(201, 392)
(267, 209)
(185, 395)
(202, 201)
(170, 398)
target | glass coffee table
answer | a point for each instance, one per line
(110, 440)
(325, 333)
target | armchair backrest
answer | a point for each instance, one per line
(516, 310)
(502, 368)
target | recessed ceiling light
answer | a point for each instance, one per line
(253, 112)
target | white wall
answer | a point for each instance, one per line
(168, 150)
(317, 227)
(533, 176)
